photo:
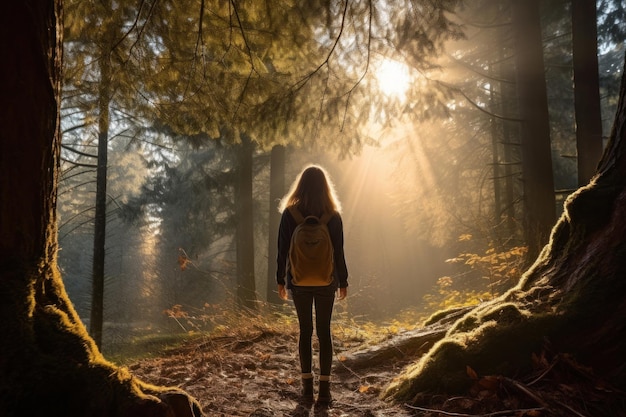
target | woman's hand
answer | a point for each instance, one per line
(282, 292)
(343, 293)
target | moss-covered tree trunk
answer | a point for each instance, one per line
(49, 366)
(573, 298)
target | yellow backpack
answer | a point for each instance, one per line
(311, 251)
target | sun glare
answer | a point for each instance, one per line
(393, 78)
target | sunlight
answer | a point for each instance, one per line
(387, 194)
(393, 78)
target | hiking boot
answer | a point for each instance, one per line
(323, 396)
(307, 389)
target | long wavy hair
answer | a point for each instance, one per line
(312, 193)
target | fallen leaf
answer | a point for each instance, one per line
(490, 383)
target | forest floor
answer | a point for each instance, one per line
(253, 370)
(250, 368)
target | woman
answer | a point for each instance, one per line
(312, 194)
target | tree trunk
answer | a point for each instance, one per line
(277, 190)
(401, 346)
(510, 138)
(48, 362)
(100, 219)
(510, 142)
(495, 153)
(246, 288)
(586, 88)
(570, 301)
(539, 199)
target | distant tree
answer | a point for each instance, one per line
(246, 286)
(586, 88)
(100, 100)
(277, 190)
(100, 217)
(539, 200)
(50, 365)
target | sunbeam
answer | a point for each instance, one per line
(382, 190)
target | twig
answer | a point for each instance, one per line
(347, 368)
(494, 414)
(526, 391)
(543, 374)
(304, 80)
(568, 408)
(178, 321)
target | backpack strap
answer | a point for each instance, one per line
(295, 213)
(326, 218)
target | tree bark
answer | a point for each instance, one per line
(572, 298)
(586, 88)
(48, 362)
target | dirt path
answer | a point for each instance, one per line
(257, 375)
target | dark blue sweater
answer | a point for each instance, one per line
(335, 229)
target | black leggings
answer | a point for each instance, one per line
(303, 299)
